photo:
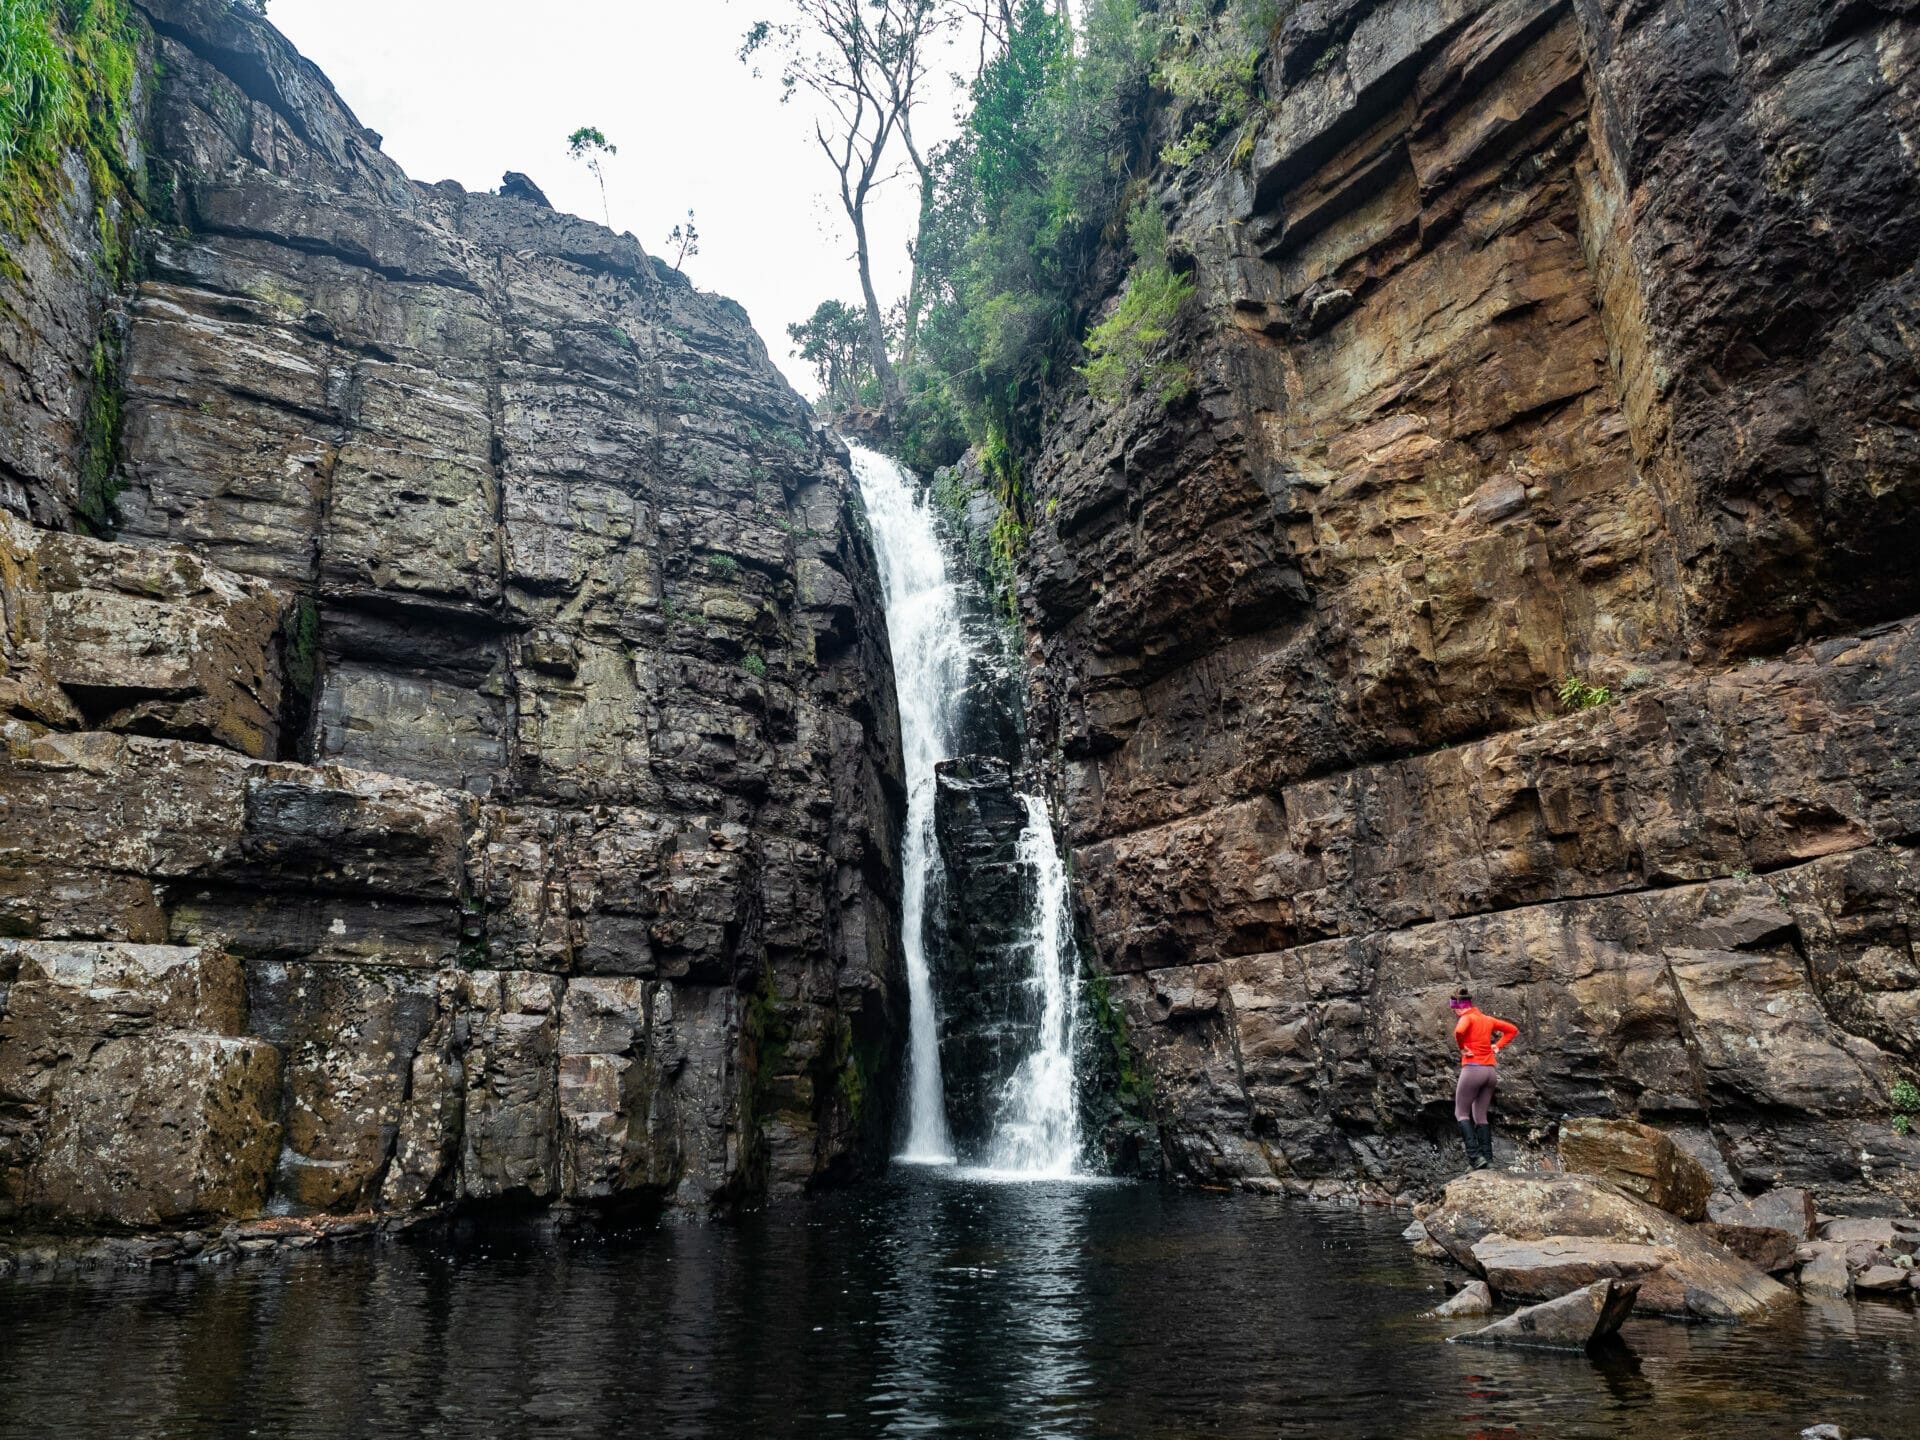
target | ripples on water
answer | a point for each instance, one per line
(935, 1304)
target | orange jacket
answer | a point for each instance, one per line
(1481, 1038)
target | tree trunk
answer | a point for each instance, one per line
(890, 395)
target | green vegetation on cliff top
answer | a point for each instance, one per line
(68, 76)
(1049, 173)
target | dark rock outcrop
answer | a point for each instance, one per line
(1533, 340)
(1578, 1321)
(485, 682)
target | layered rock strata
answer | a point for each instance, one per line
(1532, 341)
(484, 692)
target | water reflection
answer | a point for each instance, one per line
(937, 1304)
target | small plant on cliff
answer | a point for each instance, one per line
(1906, 1105)
(684, 242)
(1122, 347)
(755, 666)
(588, 144)
(1576, 694)
(722, 567)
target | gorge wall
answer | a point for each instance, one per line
(1531, 339)
(469, 771)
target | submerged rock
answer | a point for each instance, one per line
(1474, 1298)
(1573, 1322)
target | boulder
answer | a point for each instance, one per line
(1823, 1269)
(1760, 1246)
(1538, 1237)
(1881, 1234)
(1573, 1322)
(1640, 1160)
(1882, 1279)
(1473, 1299)
(1788, 1209)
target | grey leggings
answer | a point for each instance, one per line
(1473, 1096)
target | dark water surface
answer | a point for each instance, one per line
(920, 1307)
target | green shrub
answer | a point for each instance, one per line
(1211, 68)
(755, 667)
(1122, 347)
(1576, 694)
(722, 567)
(1906, 1104)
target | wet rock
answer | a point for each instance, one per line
(979, 956)
(1640, 1160)
(1823, 1269)
(1882, 1279)
(1543, 1236)
(1472, 1299)
(1584, 1318)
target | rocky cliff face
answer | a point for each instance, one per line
(469, 772)
(1534, 340)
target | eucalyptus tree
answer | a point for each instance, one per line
(588, 144)
(864, 61)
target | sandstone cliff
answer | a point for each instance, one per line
(1531, 340)
(469, 771)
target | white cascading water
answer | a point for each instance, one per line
(1037, 1131)
(930, 669)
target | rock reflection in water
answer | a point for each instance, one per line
(930, 1305)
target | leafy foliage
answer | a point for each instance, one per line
(588, 144)
(1211, 70)
(1122, 348)
(1021, 200)
(834, 342)
(35, 81)
(1576, 694)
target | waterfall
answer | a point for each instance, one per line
(1035, 1129)
(1038, 1129)
(930, 669)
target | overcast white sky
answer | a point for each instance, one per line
(469, 89)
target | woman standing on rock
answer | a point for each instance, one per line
(1481, 1038)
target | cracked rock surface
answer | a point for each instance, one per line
(485, 679)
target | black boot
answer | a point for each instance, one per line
(1485, 1135)
(1471, 1136)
